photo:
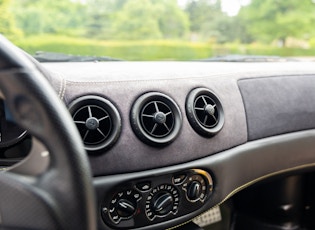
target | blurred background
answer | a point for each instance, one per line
(161, 29)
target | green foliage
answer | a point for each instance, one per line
(149, 49)
(99, 17)
(128, 50)
(7, 23)
(270, 20)
(173, 22)
(208, 22)
(137, 19)
(46, 16)
(200, 12)
(141, 21)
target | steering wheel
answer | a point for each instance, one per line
(61, 197)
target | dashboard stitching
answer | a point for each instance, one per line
(64, 84)
(61, 87)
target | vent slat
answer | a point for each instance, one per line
(156, 119)
(97, 120)
(204, 112)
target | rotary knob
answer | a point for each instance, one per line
(125, 208)
(197, 187)
(194, 190)
(122, 206)
(162, 203)
(163, 200)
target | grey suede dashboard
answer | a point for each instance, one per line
(259, 100)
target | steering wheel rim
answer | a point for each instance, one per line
(62, 197)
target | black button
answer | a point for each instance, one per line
(178, 179)
(144, 186)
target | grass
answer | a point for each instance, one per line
(129, 50)
(149, 50)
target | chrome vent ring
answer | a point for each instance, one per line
(156, 119)
(204, 112)
(98, 122)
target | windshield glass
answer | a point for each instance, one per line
(161, 29)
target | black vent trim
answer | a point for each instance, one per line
(156, 119)
(204, 112)
(98, 122)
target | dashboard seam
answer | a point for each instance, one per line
(243, 104)
(64, 83)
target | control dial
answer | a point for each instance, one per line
(162, 201)
(122, 206)
(196, 188)
(125, 208)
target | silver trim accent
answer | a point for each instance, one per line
(212, 216)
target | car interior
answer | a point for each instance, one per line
(156, 145)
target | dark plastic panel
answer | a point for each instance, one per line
(232, 170)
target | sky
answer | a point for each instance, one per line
(231, 7)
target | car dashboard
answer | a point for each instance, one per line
(167, 141)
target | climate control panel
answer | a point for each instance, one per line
(152, 200)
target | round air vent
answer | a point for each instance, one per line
(204, 112)
(156, 119)
(97, 120)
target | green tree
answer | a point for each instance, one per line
(173, 21)
(138, 19)
(200, 12)
(46, 16)
(7, 23)
(207, 21)
(270, 20)
(100, 17)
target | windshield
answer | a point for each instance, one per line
(161, 29)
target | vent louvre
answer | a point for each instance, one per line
(156, 119)
(97, 120)
(204, 112)
(94, 124)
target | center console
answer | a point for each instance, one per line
(151, 200)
